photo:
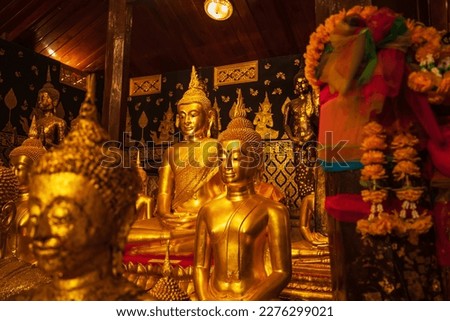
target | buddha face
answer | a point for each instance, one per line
(21, 166)
(302, 86)
(238, 167)
(193, 120)
(45, 101)
(69, 224)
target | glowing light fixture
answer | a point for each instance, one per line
(218, 9)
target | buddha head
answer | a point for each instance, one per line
(301, 84)
(22, 159)
(48, 98)
(82, 204)
(8, 197)
(240, 151)
(194, 114)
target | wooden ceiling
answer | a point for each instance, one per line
(167, 35)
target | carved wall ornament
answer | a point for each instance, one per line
(236, 73)
(147, 85)
(72, 77)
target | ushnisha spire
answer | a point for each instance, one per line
(196, 92)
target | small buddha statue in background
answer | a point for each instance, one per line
(300, 124)
(51, 129)
(167, 126)
(16, 275)
(82, 204)
(188, 178)
(264, 120)
(21, 159)
(235, 229)
(9, 193)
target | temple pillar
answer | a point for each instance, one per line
(116, 66)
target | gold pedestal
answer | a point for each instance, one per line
(311, 280)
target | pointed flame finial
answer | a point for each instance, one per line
(32, 132)
(194, 82)
(166, 265)
(88, 108)
(238, 109)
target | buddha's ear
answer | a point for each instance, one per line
(7, 216)
(177, 120)
(211, 121)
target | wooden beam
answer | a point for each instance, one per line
(439, 14)
(326, 8)
(117, 62)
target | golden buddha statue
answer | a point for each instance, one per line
(50, 128)
(234, 230)
(264, 120)
(8, 196)
(167, 126)
(188, 178)
(82, 204)
(21, 160)
(16, 275)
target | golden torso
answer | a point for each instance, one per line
(195, 177)
(238, 239)
(53, 127)
(300, 110)
(186, 183)
(248, 237)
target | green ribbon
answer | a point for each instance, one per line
(323, 59)
(370, 55)
(370, 49)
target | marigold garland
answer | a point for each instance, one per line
(432, 58)
(385, 224)
(406, 157)
(405, 169)
(373, 171)
(432, 74)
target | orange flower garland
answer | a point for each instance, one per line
(373, 172)
(432, 59)
(321, 36)
(406, 157)
(406, 168)
(316, 46)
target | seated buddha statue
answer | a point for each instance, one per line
(21, 160)
(82, 205)
(51, 129)
(188, 178)
(235, 229)
(16, 275)
(8, 195)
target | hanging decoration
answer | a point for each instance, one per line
(373, 174)
(405, 219)
(430, 70)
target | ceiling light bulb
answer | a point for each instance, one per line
(218, 9)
